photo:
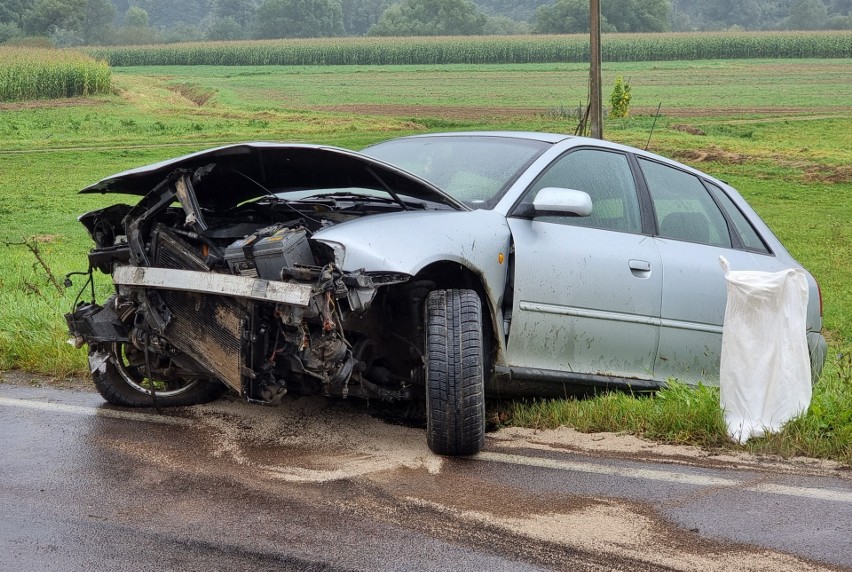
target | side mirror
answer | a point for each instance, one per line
(556, 201)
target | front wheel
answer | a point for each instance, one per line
(455, 373)
(121, 379)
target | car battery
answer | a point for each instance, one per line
(264, 253)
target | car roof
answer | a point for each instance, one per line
(529, 135)
(554, 138)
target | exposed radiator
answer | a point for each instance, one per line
(208, 328)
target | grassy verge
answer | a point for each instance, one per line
(682, 415)
(784, 144)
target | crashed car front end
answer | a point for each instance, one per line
(219, 281)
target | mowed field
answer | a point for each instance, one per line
(778, 130)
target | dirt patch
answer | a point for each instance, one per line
(197, 94)
(618, 528)
(457, 113)
(711, 154)
(312, 439)
(687, 129)
(45, 103)
(826, 174)
(473, 113)
(629, 447)
(793, 113)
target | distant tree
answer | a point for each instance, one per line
(572, 16)
(360, 15)
(504, 26)
(98, 16)
(726, 14)
(136, 17)
(47, 16)
(183, 33)
(226, 28)
(841, 8)
(12, 11)
(136, 29)
(170, 13)
(566, 17)
(121, 7)
(299, 19)
(807, 15)
(746, 14)
(839, 23)
(160, 12)
(240, 11)
(430, 18)
(518, 10)
(638, 15)
(9, 31)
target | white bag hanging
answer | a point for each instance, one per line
(765, 374)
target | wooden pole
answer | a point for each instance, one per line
(595, 95)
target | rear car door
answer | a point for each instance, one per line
(587, 290)
(693, 231)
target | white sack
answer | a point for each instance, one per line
(765, 374)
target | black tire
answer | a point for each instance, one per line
(121, 381)
(455, 373)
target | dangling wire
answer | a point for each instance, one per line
(150, 377)
(90, 282)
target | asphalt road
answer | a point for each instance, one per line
(316, 485)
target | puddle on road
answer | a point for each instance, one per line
(312, 440)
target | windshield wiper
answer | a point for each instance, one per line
(350, 196)
(387, 189)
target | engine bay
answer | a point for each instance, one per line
(243, 295)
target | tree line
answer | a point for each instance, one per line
(75, 22)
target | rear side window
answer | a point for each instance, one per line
(683, 207)
(606, 177)
(749, 237)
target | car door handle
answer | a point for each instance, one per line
(639, 265)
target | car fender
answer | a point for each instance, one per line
(407, 242)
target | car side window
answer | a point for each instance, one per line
(683, 207)
(606, 177)
(749, 237)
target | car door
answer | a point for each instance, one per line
(586, 291)
(693, 231)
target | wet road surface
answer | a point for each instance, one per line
(318, 485)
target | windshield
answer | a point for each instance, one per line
(472, 169)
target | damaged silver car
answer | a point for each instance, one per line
(433, 268)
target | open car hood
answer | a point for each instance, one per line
(244, 171)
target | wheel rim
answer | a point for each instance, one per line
(135, 376)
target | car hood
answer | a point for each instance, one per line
(244, 171)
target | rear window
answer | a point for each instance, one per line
(749, 237)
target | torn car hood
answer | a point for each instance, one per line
(244, 171)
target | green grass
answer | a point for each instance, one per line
(715, 87)
(656, 417)
(781, 132)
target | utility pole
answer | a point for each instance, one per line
(595, 95)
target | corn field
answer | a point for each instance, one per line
(43, 73)
(485, 49)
